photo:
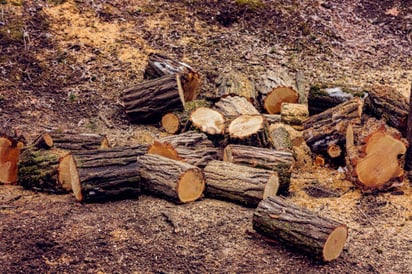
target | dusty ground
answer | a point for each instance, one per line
(63, 65)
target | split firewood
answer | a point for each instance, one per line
(160, 65)
(387, 103)
(275, 88)
(249, 130)
(107, 174)
(11, 144)
(280, 161)
(191, 147)
(373, 156)
(208, 120)
(294, 114)
(232, 82)
(323, 97)
(148, 101)
(70, 141)
(238, 183)
(232, 106)
(326, 130)
(179, 181)
(300, 228)
(46, 170)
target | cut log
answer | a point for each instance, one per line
(43, 141)
(148, 101)
(179, 181)
(272, 118)
(279, 161)
(373, 157)
(11, 144)
(280, 137)
(249, 130)
(388, 103)
(279, 219)
(160, 65)
(232, 106)
(107, 174)
(191, 147)
(238, 183)
(71, 141)
(326, 96)
(46, 170)
(294, 114)
(326, 129)
(232, 82)
(208, 121)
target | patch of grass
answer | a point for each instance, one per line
(72, 97)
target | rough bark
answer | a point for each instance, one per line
(231, 106)
(388, 103)
(107, 174)
(280, 161)
(249, 130)
(280, 137)
(191, 147)
(160, 65)
(272, 118)
(148, 101)
(11, 144)
(279, 219)
(294, 114)
(232, 82)
(71, 141)
(176, 180)
(238, 183)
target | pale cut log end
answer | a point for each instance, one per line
(273, 102)
(67, 171)
(245, 125)
(350, 139)
(272, 186)
(180, 90)
(334, 150)
(335, 243)
(208, 120)
(164, 149)
(9, 157)
(190, 186)
(170, 123)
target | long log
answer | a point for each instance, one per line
(71, 141)
(148, 101)
(191, 147)
(176, 180)
(107, 174)
(11, 144)
(279, 161)
(249, 130)
(238, 183)
(279, 219)
(160, 65)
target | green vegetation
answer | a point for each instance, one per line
(72, 97)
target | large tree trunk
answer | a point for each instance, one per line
(277, 218)
(11, 144)
(148, 101)
(160, 65)
(238, 183)
(279, 161)
(107, 174)
(233, 82)
(191, 147)
(71, 141)
(181, 182)
(249, 130)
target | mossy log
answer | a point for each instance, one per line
(71, 141)
(46, 170)
(191, 147)
(11, 144)
(238, 183)
(160, 65)
(107, 174)
(277, 218)
(176, 180)
(326, 129)
(148, 101)
(249, 130)
(294, 114)
(280, 161)
(232, 106)
(232, 82)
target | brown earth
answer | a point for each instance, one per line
(63, 65)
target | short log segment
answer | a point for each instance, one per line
(176, 180)
(294, 114)
(48, 171)
(249, 130)
(191, 147)
(208, 120)
(160, 65)
(232, 106)
(71, 141)
(148, 101)
(278, 161)
(238, 183)
(326, 129)
(11, 144)
(279, 219)
(232, 82)
(107, 174)
(388, 103)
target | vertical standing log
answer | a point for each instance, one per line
(11, 144)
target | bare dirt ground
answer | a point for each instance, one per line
(63, 65)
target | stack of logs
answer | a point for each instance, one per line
(225, 148)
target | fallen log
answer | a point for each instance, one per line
(191, 147)
(294, 114)
(279, 219)
(232, 106)
(238, 183)
(179, 181)
(249, 130)
(148, 101)
(11, 144)
(71, 141)
(235, 83)
(256, 157)
(160, 65)
(107, 174)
